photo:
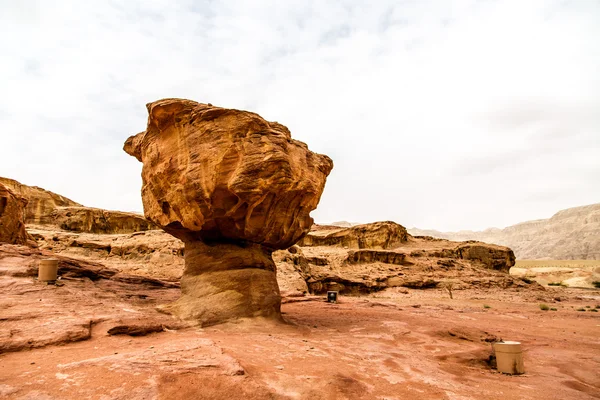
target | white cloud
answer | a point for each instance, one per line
(449, 115)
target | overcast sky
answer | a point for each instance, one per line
(438, 114)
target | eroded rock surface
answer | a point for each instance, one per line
(97, 220)
(40, 202)
(571, 234)
(233, 187)
(382, 255)
(12, 225)
(377, 235)
(37, 315)
(47, 208)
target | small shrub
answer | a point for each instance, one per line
(448, 286)
(587, 307)
(581, 309)
(596, 284)
(553, 309)
(593, 310)
(527, 280)
(487, 306)
(544, 307)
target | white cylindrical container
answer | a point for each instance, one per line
(48, 270)
(509, 358)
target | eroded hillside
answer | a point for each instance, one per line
(571, 234)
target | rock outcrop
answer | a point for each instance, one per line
(571, 234)
(234, 188)
(97, 220)
(40, 202)
(48, 208)
(494, 257)
(378, 235)
(97, 293)
(373, 257)
(12, 225)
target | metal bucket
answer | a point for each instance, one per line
(509, 358)
(332, 296)
(48, 270)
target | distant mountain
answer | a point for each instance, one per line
(571, 234)
(343, 224)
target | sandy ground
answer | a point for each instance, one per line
(414, 345)
(574, 275)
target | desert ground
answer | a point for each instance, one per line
(571, 273)
(99, 336)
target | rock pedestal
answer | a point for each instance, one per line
(234, 188)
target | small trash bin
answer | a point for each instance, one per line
(509, 358)
(48, 270)
(332, 296)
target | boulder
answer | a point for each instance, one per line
(492, 256)
(12, 225)
(234, 188)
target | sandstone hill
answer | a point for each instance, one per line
(571, 234)
(40, 202)
(43, 207)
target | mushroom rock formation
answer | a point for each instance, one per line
(12, 213)
(234, 188)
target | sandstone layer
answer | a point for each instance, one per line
(40, 202)
(378, 235)
(234, 188)
(97, 220)
(48, 208)
(571, 234)
(388, 257)
(12, 225)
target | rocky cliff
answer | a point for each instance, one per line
(40, 202)
(97, 220)
(571, 234)
(378, 235)
(372, 257)
(12, 225)
(47, 208)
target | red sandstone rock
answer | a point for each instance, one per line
(40, 202)
(12, 225)
(233, 187)
(377, 235)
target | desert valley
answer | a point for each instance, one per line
(219, 291)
